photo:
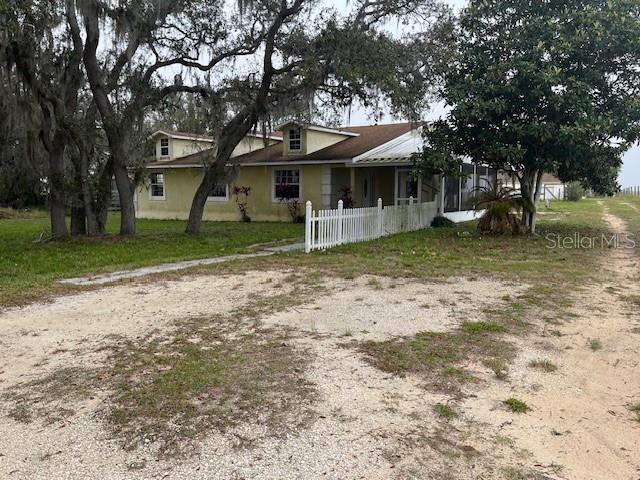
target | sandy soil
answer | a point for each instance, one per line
(580, 424)
(367, 424)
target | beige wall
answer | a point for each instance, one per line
(181, 184)
(312, 140)
(179, 147)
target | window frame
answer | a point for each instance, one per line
(152, 183)
(220, 199)
(274, 174)
(168, 147)
(299, 139)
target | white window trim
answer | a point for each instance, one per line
(164, 188)
(220, 199)
(168, 155)
(275, 199)
(297, 150)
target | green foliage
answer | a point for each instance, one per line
(517, 406)
(440, 221)
(29, 269)
(480, 327)
(548, 86)
(445, 411)
(499, 204)
(574, 191)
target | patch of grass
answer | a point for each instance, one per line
(436, 356)
(595, 344)
(29, 267)
(48, 398)
(499, 368)
(635, 409)
(516, 406)
(479, 327)
(544, 365)
(169, 393)
(209, 373)
(445, 411)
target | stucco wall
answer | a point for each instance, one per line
(179, 147)
(181, 184)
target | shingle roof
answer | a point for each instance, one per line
(370, 136)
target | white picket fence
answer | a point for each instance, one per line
(630, 192)
(328, 228)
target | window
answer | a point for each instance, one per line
(407, 187)
(430, 188)
(295, 139)
(219, 192)
(286, 184)
(156, 189)
(467, 184)
(451, 194)
(164, 147)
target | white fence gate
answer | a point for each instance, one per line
(328, 228)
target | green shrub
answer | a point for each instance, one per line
(516, 406)
(441, 222)
(574, 191)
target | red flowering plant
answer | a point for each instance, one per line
(289, 194)
(242, 194)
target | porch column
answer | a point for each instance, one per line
(325, 186)
(352, 180)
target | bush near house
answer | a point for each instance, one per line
(574, 191)
(289, 194)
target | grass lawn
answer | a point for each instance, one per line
(460, 251)
(627, 208)
(29, 267)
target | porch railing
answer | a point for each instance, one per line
(328, 228)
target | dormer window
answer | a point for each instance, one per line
(164, 147)
(295, 140)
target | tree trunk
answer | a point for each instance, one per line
(56, 191)
(530, 189)
(125, 193)
(103, 196)
(78, 220)
(536, 198)
(199, 201)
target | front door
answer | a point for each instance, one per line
(368, 194)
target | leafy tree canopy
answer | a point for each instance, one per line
(543, 86)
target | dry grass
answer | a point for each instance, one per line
(172, 387)
(544, 365)
(438, 358)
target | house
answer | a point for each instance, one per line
(316, 163)
(551, 187)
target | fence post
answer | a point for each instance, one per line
(307, 228)
(410, 214)
(380, 219)
(340, 214)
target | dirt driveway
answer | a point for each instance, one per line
(353, 419)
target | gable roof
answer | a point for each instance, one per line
(207, 138)
(369, 137)
(365, 139)
(319, 128)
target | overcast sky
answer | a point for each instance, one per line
(629, 174)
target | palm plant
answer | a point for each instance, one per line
(502, 206)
